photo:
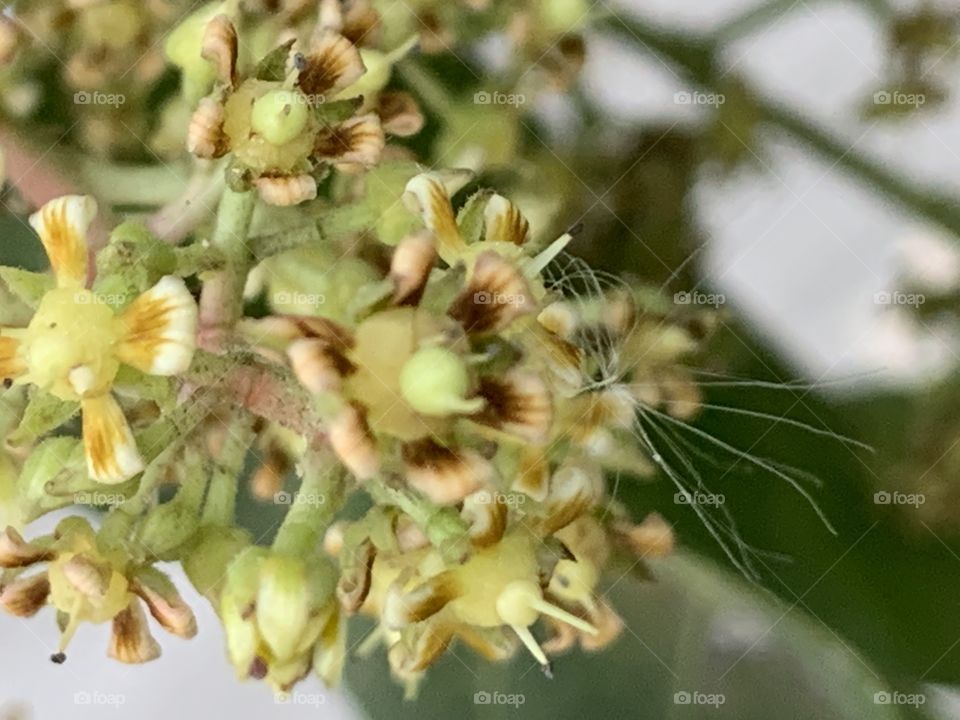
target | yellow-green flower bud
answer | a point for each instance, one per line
(213, 549)
(435, 381)
(167, 527)
(283, 604)
(183, 50)
(562, 16)
(280, 115)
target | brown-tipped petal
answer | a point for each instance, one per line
(651, 538)
(318, 365)
(518, 403)
(682, 396)
(496, 295)
(112, 455)
(609, 626)
(330, 15)
(332, 64)
(410, 536)
(410, 267)
(419, 648)
(205, 136)
(399, 114)
(267, 480)
(353, 442)
(359, 140)
(402, 607)
(362, 24)
(282, 329)
(561, 319)
(130, 639)
(563, 639)
(9, 39)
(160, 329)
(11, 364)
(427, 195)
(533, 474)
(333, 539)
(286, 190)
(62, 226)
(563, 358)
(492, 644)
(165, 603)
(486, 515)
(445, 475)
(219, 46)
(619, 313)
(504, 222)
(592, 414)
(354, 584)
(573, 491)
(25, 596)
(15, 552)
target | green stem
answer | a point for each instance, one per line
(697, 59)
(428, 88)
(443, 526)
(198, 258)
(334, 224)
(221, 302)
(145, 185)
(315, 505)
(233, 222)
(150, 480)
(221, 505)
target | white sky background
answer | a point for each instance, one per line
(797, 247)
(800, 250)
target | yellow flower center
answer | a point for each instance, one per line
(385, 342)
(69, 345)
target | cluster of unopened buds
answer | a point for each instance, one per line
(449, 377)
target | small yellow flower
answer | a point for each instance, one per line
(75, 344)
(88, 583)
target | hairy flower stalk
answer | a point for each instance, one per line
(447, 401)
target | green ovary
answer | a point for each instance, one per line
(71, 330)
(245, 119)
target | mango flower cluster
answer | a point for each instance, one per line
(447, 415)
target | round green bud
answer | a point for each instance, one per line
(280, 116)
(435, 381)
(183, 46)
(560, 16)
